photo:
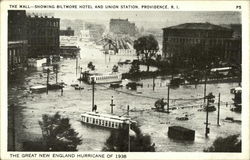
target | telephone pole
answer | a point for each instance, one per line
(207, 129)
(168, 100)
(205, 86)
(112, 104)
(76, 64)
(153, 83)
(93, 93)
(218, 117)
(48, 80)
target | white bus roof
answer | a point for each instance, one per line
(107, 117)
(220, 69)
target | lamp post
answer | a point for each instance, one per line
(47, 80)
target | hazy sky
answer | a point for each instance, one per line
(159, 19)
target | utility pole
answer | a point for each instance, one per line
(207, 129)
(76, 64)
(153, 83)
(93, 93)
(56, 75)
(210, 99)
(128, 110)
(112, 104)
(128, 136)
(218, 117)
(13, 127)
(168, 100)
(205, 86)
(48, 80)
(81, 75)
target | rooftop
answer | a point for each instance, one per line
(200, 26)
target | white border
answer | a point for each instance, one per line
(184, 6)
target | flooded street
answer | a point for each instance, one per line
(31, 106)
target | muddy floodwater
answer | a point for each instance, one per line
(29, 107)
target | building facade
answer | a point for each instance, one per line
(95, 31)
(43, 36)
(201, 39)
(122, 26)
(17, 39)
(76, 25)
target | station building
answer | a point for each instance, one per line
(183, 40)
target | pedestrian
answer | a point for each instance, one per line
(94, 108)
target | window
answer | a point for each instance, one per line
(87, 120)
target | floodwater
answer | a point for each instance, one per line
(31, 106)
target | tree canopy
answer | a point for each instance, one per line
(135, 67)
(58, 134)
(228, 144)
(146, 46)
(91, 66)
(119, 141)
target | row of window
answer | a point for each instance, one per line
(106, 77)
(100, 122)
(14, 56)
(47, 23)
(44, 41)
(197, 41)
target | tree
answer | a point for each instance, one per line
(115, 68)
(229, 144)
(146, 46)
(91, 66)
(58, 134)
(119, 141)
(135, 67)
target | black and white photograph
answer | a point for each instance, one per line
(124, 81)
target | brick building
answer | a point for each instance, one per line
(17, 39)
(203, 39)
(122, 26)
(43, 36)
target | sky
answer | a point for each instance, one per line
(152, 19)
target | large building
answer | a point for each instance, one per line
(43, 36)
(95, 31)
(202, 39)
(17, 39)
(122, 26)
(76, 25)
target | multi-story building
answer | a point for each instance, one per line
(203, 39)
(43, 36)
(17, 39)
(76, 25)
(122, 26)
(95, 31)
